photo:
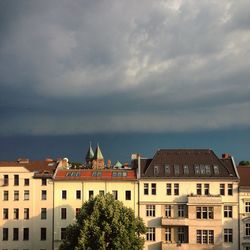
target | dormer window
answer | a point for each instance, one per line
(186, 169)
(167, 169)
(176, 169)
(156, 170)
(216, 170)
(197, 169)
(208, 170)
(202, 169)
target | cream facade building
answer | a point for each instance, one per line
(26, 204)
(244, 202)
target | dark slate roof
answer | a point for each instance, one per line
(201, 163)
(244, 173)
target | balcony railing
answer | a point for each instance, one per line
(176, 221)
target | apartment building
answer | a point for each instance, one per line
(26, 207)
(188, 199)
(244, 203)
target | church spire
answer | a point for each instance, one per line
(98, 153)
(90, 154)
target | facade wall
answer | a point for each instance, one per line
(71, 203)
(188, 198)
(33, 202)
(244, 218)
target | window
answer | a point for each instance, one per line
(26, 212)
(16, 195)
(205, 236)
(247, 231)
(150, 210)
(43, 213)
(176, 169)
(176, 189)
(206, 189)
(15, 233)
(5, 213)
(16, 180)
(5, 195)
(91, 194)
(204, 212)
(181, 210)
(153, 188)
(77, 211)
(247, 207)
(168, 188)
(185, 170)
(128, 195)
(63, 233)
(150, 236)
(230, 189)
(145, 188)
(26, 233)
(101, 192)
(5, 233)
(64, 194)
(26, 195)
(115, 194)
(78, 194)
(197, 169)
(43, 233)
(208, 170)
(156, 170)
(44, 181)
(202, 169)
(180, 234)
(168, 210)
(167, 169)
(63, 213)
(222, 189)
(168, 234)
(216, 170)
(228, 235)
(5, 180)
(26, 182)
(198, 189)
(228, 211)
(44, 195)
(16, 214)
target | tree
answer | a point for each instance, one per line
(105, 223)
(244, 163)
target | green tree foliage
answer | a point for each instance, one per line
(244, 163)
(105, 223)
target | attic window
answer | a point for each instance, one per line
(119, 174)
(208, 170)
(197, 169)
(167, 169)
(216, 170)
(156, 170)
(202, 169)
(186, 169)
(97, 174)
(176, 169)
(72, 174)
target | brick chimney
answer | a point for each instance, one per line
(226, 156)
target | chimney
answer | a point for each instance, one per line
(108, 163)
(139, 166)
(226, 156)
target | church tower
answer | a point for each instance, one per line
(90, 155)
(98, 159)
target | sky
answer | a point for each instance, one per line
(133, 76)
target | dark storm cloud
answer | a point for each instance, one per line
(101, 66)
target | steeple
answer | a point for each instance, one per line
(98, 153)
(90, 154)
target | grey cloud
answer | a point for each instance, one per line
(96, 66)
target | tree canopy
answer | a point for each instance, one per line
(105, 223)
(244, 163)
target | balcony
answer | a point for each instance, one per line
(204, 199)
(177, 221)
(174, 246)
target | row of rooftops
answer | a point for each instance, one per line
(166, 163)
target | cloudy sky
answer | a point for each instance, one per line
(124, 67)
